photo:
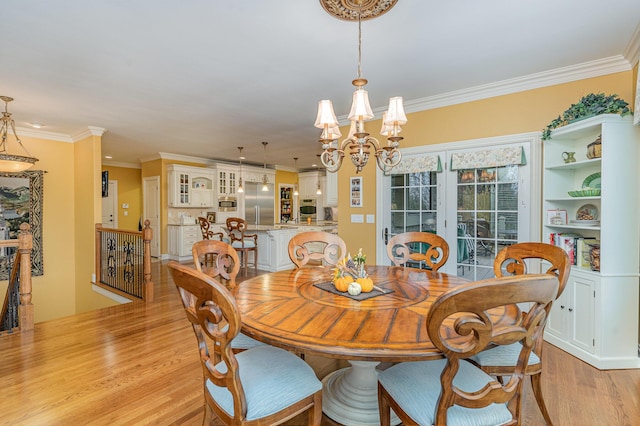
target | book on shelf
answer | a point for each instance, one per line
(568, 242)
(583, 252)
(576, 246)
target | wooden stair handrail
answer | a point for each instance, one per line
(25, 309)
(147, 236)
(23, 262)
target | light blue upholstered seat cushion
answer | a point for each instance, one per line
(242, 341)
(503, 355)
(248, 243)
(415, 386)
(272, 379)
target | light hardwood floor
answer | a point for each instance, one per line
(137, 364)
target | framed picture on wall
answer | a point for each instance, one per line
(105, 183)
(356, 191)
(21, 202)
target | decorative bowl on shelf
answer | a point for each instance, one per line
(586, 192)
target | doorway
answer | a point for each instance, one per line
(110, 206)
(151, 210)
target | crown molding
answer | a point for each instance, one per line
(121, 164)
(90, 131)
(180, 157)
(42, 134)
(632, 52)
(581, 71)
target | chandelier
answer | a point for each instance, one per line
(11, 162)
(359, 145)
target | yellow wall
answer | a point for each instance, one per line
(503, 115)
(71, 204)
(129, 192)
(284, 177)
(54, 292)
(88, 212)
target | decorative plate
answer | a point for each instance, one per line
(588, 212)
(592, 181)
(587, 192)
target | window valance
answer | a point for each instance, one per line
(418, 164)
(496, 157)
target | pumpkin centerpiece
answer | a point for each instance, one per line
(350, 275)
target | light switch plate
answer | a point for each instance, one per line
(371, 218)
(357, 218)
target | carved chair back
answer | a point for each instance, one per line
(320, 248)
(418, 247)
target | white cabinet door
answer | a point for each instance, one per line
(331, 190)
(179, 192)
(227, 180)
(572, 317)
(581, 312)
(308, 184)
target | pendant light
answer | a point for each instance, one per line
(318, 190)
(265, 186)
(295, 188)
(12, 162)
(240, 188)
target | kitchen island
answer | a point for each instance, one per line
(273, 242)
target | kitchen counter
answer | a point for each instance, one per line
(273, 242)
(320, 225)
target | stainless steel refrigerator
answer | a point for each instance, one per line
(259, 204)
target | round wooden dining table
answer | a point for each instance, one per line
(292, 310)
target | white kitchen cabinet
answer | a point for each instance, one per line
(596, 318)
(227, 180)
(190, 186)
(181, 240)
(273, 251)
(308, 184)
(331, 190)
(572, 316)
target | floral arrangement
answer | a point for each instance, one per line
(350, 275)
(588, 106)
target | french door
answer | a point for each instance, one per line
(478, 210)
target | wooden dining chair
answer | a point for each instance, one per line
(418, 247)
(208, 234)
(260, 386)
(460, 325)
(242, 241)
(316, 248)
(224, 268)
(512, 261)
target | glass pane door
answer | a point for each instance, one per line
(414, 205)
(487, 217)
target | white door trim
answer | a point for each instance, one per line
(154, 181)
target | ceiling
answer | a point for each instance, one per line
(200, 78)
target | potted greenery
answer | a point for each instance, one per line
(588, 106)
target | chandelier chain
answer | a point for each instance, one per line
(360, 40)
